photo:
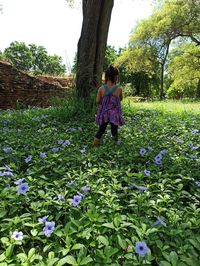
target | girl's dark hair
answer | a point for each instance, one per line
(111, 74)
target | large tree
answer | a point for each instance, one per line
(184, 70)
(152, 37)
(92, 44)
(33, 58)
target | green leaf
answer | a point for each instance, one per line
(195, 243)
(9, 251)
(34, 232)
(110, 251)
(2, 213)
(173, 258)
(77, 246)
(103, 240)
(121, 242)
(5, 241)
(22, 257)
(117, 220)
(164, 263)
(86, 260)
(109, 225)
(31, 253)
(68, 259)
(52, 261)
(2, 257)
(51, 255)
(59, 233)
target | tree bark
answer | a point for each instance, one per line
(198, 89)
(92, 44)
(162, 82)
(163, 69)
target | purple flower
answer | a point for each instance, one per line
(193, 156)
(17, 235)
(28, 159)
(142, 151)
(71, 182)
(43, 155)
(193, 148)
(158, 159)
(163, 152)
(49, 228)
(23, 188)
(197, 183)
(43, 116)
(83, 150)
(60, 141)
(6, 173)
(150, 148)
(180, 141)
(55, 149)
(76, 200)
(19, 181)
(85, 189)
(159, 221)
(141, 188)
(60, 197)
(147, 173)
(66, 143)
(141, 248)
(7, 149)
(5, 129)
(195, 131)
(43, 219)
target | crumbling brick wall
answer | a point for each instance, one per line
(19, 87)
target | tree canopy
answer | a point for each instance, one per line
(33, 58)
(152, 37)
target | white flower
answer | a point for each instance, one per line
(17, 235)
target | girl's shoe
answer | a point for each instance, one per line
(96, 141)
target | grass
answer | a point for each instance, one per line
(124, 188)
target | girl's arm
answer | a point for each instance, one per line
(98, 98)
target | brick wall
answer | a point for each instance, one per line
(17, 86)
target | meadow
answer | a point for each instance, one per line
(134, 202)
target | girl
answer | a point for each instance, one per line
(109, 110)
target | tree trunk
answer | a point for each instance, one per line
(162, 82)
(198, 89)
(162, 70)
(92, 44)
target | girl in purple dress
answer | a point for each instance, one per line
(109, 107)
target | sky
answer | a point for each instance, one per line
(57, 27)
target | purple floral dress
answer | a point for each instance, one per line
(109, 109)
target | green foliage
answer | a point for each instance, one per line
(110, 56)
(184, 70)
(19, 55)
(34, 59)
(2, 57)
(150, 42)
(113, 215)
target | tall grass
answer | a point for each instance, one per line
(173, 107)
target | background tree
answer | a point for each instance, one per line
(34, 59)
(184, 70)
(110, 57)
(19, 55)
(152, 37)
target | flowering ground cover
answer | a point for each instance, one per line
(134, 202)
